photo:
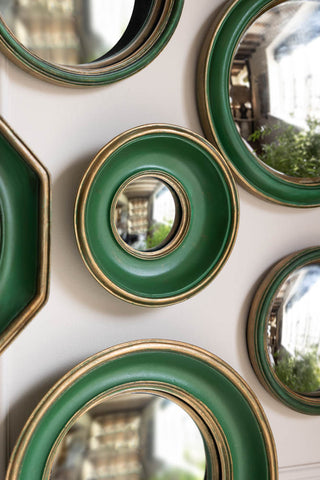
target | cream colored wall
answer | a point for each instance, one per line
(65, 127)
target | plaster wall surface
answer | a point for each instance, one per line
(65, 127)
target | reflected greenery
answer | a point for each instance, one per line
(293, 152)
(301, 372)
(157, 234)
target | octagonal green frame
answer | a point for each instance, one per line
(215, 112)
(150, 41)
(257, 326)
(24, 235)
(206, 380)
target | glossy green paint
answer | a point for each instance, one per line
(291, 400)
(211, 224)
(19, 207)
(58, 74)
(220, 126)
(222, 397)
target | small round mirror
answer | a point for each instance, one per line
(131, 436)
(275, 89)
(147, 213)
(293, 331)
(68, 32)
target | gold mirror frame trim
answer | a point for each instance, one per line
(256, 338)
(161, 22)
(212, 431)
(24, 317)
(82, 198)
(267, 183)
(179, 231)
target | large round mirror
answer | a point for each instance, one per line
(149, 214)
(86, 42)
(259, 96)
(132, 436)
(68, 32)
(284, 331)
(275, 88)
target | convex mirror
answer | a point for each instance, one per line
(284, 331)
(132, 436)
(156, 215)
(147, 409)
(86, 42)
(259, 99)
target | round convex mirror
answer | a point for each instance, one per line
(147, 214)
(133, 436)
(274, 88)
(293, 331)
(68, 32)
(86, 42)
(284, 331)
(258, 96)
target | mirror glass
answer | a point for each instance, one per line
(275, 88)
(148, 213)
(293, 331)
(68, 32)
(136, 436)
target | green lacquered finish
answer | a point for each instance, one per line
(82, 76)
(213, 219)
(240, 423)
(23, 208)
(217, 121)
(301, 403)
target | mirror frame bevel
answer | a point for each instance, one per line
(256, 331)
(99, 375)
(10, 213)
(215, 60)
(126, 65)
(89, 178)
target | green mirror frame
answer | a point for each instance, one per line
(215, 112)
(24, 235)
(233, 425)
(146, 44)
(256, 331)
(209, 221)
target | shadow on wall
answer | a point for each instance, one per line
(66, 259)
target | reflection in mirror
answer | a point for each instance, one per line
(293, 331)
(275, 88)
(148, 213)
(68, 32)
(132, 437)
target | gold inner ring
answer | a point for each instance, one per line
(181, 223)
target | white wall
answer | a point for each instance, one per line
(65, 127)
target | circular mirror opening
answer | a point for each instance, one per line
(74, 32)
(149, 215)
(131, 436)
(275, 89)
(293, 331)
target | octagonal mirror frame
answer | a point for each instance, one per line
(24, 235)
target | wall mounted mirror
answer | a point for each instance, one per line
(284, 331)
(24, 235)
(156, 215)
(262, 109)
(86, 42)
(126, 413)
(132, 435)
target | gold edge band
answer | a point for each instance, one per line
(44, 237)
